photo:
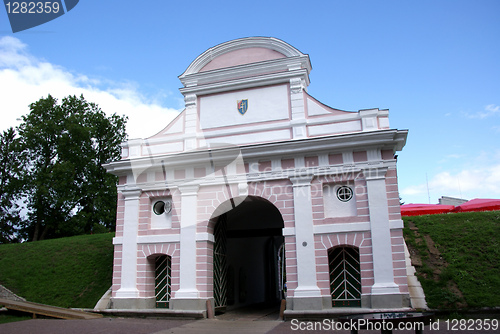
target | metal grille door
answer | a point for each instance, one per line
(345, 277)
(220, 263)
(282, 271)
(163, 280)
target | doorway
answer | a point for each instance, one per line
(163, 280)
(249, 270)
(345, 276)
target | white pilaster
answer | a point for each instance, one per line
(191, 122)
(304, 232)
(187, 281)
(128, 287)
(243, 189)
(298, 108)
(381, 233)
(348, 158)
(374, 155)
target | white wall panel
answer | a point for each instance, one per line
(264, 104)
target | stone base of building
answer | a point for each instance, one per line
(133, 303)
(191, 304)
(386, 301)
(308, 303)
(195, 304)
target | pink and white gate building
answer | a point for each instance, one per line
(257, 192)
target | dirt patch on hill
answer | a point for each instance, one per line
(430, 264)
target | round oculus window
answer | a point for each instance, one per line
(344, 193)
(162, 207)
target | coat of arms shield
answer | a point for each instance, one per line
(243, 106)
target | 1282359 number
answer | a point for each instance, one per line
(24, 7)
(472, 324)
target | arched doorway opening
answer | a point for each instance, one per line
(345, 276)
(162, 265)
(249, 256)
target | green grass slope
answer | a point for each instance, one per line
(457, 258)
(66, 272)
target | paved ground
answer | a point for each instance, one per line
(209, 326)
(243, 321)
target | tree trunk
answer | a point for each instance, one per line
(37, 231)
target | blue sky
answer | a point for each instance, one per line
(434, 64)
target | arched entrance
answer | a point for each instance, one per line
(162, 265)
(248, 257)
(345, 276)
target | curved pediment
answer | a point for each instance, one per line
(241, 51)
(242, 57)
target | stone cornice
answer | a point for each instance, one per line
(383, 139)
(363, 140)
(247, 70)
(246, 82)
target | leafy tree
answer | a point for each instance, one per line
(69, 192)
(11, 162)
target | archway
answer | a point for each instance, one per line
(247, 268)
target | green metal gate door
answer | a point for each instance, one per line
(345, 276)
(220, 264)
(163, 280)
(282, 271)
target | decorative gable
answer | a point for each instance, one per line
(270, 78)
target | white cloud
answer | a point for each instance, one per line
(25, 79)
(493, 109)
(479, 182)
(489, 111)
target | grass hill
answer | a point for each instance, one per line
(457, 258)
(66, 272)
